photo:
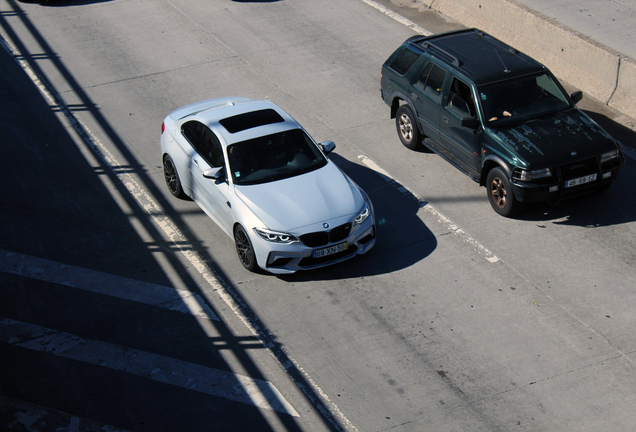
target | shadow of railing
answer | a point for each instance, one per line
(80, 181)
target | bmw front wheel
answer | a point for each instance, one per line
(244, 249)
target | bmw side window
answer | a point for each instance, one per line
(204, 141)
(403, 62)
(211, 149)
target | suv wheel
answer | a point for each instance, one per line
(500, 194)
(407, 128)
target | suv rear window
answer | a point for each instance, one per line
(404, 61)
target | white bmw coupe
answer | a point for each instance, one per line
(265, 182)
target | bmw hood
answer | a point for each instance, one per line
(567, 136)
(317, 196)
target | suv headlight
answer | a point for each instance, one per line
(275, 237)
(528, 175)
(363, 215)
(606, 157)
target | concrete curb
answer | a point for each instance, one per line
(590, 66)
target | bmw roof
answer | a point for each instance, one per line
(238, 118)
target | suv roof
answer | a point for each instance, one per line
(481, 57)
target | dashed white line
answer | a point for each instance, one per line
(450, 225)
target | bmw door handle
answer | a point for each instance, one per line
(196, 162)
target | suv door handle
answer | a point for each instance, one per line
(413, 95)
(445, 119)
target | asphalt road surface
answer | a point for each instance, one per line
(123, 308)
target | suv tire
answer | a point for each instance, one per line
(500, 194)
(407, 128)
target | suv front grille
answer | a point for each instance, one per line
(579, 169)
(321, 238)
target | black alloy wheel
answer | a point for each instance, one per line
(244, 249)
(172, 178)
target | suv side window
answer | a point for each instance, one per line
(460, 98)
(403, 62)
(431, 80)
(204, 142)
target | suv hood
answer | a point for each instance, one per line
(317, 196)
(565, 137)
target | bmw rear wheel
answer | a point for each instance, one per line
(500, 194)
(244, 249)
(407, 128)
(172, 178)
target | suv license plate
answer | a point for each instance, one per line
(580, 180)
(331, 250)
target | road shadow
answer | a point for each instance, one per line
(64, 203)
(402, 238)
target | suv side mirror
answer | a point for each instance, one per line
(577, 96)
(470, 122)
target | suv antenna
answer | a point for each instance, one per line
(506, 70)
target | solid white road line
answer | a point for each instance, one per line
(106, 284)
(399, 18)
(214, 382)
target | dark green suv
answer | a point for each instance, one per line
(499, 116)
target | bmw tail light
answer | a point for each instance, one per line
(163, 127)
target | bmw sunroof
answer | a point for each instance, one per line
(250, 120)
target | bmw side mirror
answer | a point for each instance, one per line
(470, 122)
(327, 146)
(214, 173)
(577, 96)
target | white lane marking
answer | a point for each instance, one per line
(450, 225)
(399, 18)
(202, 379)
(102, 283)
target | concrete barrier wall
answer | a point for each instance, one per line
(583, 63)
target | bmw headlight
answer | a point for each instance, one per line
(528, 175)
(274, 236)
(363, 215)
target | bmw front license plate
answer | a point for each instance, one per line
(331, 250)
(580, 180)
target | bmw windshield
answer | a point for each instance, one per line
(522, 99)
(273, 157)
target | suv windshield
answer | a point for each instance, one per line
(273, 157)
(522, 98)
